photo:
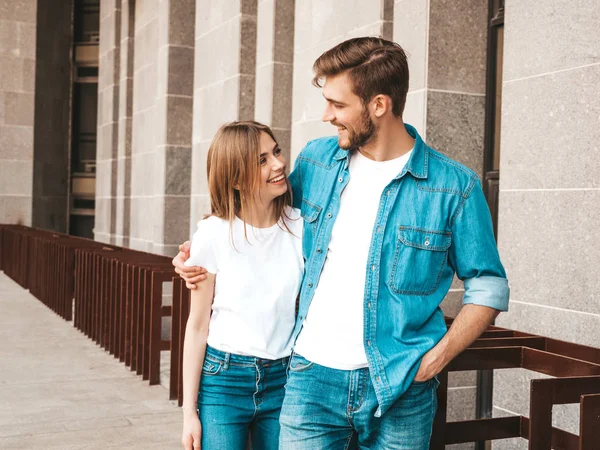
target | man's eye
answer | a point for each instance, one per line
(338, 106)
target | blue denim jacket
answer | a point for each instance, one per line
(433, 221)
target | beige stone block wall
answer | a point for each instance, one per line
(549, 188)
(17, 85)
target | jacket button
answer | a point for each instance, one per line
(319, 250)
(340, 179)
(329, 215)
(309, 285)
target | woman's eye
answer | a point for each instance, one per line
(263, 161)
(277, 151)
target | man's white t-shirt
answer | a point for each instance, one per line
(257, 282)
(332, 334)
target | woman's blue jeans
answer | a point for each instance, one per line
(240, 395)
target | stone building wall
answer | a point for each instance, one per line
(17, 85)
(549, 185)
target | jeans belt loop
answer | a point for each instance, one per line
(226, 362)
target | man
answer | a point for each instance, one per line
(388, 223)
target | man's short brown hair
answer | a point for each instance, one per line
(374, 66)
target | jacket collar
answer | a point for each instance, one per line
(418, 161)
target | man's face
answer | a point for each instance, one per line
(345, 110)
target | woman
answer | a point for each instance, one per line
(238, 334)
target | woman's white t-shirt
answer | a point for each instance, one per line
(257, 282)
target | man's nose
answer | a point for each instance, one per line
(328, 115)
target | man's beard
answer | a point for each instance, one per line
(364, 133)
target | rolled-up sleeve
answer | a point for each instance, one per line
(474, 254)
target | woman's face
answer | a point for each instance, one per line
(273, 181)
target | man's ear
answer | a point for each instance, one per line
(381, 104)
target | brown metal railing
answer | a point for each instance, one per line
(113, 294)
(577, 371)
(116, 295)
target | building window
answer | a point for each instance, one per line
(84, 111)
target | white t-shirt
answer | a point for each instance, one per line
(256, 286)
(332, 334)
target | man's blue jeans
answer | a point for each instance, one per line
(335, 409)
(240, 395)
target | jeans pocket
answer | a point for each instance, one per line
(211, 367)
(299, 364)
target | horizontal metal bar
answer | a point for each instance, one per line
(557, 365)
(487, 358)
(482, 430)
(573, 350)
(532, 342)
(569, 390)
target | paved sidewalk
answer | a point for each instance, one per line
(59, 390)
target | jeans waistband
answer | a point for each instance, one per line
(242, 360)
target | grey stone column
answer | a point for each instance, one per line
(17, 84)
(446, 43)
(154, 174)
(123, 174)
(549, 185)
(224, 81)
(320, 26)
(105, 225)
(147, 206)
(274, 68)
(174, 122)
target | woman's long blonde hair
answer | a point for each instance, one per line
(233, 170)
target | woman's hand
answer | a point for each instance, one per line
(191, 275)
(192, 430)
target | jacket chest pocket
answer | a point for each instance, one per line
(419, 260)
(310, 214)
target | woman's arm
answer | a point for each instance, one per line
(194, 349)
